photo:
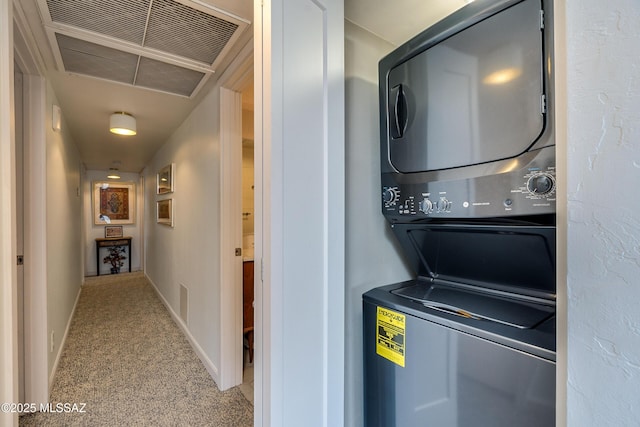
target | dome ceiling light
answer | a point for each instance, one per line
(122, 123)
(113, 173)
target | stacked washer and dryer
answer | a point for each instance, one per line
(468, 188)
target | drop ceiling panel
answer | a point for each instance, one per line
(95, 60)
(122, 19)
(167, 77)
(188, 32)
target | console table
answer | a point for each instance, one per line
(110, 242)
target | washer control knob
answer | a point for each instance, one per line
(443, 205)
(426, 206)
(540, 184)
(390, 196)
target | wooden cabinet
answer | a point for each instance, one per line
(247, 304)
(109, 242)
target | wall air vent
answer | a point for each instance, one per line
(166, 45)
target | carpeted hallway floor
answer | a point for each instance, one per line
(131, 365)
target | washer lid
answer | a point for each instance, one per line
(478, 304)
(516, 259)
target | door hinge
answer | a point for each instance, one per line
(261, 270)
(543, 104)
(20, 260)
(542, 19)
(238, 251)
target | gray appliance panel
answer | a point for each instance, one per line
(454, 379)
(515, 187)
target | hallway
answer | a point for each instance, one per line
(125, 362)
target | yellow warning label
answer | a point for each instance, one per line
(390, 335)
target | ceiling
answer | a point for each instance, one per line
(399, 20)
(156, 59)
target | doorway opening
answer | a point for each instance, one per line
(248, 240)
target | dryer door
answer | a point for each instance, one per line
(473, 98)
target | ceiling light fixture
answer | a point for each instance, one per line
(113, 173)
(122, 123)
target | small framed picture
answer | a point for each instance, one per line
(113, 231)
(165, 180)
(165, 212)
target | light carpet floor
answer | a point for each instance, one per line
(131, 365)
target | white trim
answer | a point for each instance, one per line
(262, 392)
(35, 281)
(266, 216)
(208, 364)
(8, 269)
(63, 342)
(334, 322)
(141, 217)
(35, 278)
(560, 120)
(27, 55)
(303, 281)
(231, 238)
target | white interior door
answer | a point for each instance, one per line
(231, 239)
(300, 232)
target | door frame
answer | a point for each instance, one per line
(8, 270)
(35, 220)
(301, 275)
(18, 97)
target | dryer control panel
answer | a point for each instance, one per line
(512, 191)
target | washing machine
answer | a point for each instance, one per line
(471, 340)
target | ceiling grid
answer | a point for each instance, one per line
(172, 45)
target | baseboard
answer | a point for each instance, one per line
(208, 364)
(63, 342)
(94, 273)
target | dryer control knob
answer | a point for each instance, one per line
(426, 206)
(443, 205)
(540, 184)
(390, 196)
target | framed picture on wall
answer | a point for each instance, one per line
(114, 203)
(113, 231)
(165, 180)
(165, 212)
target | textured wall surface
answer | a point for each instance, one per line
(603, 241)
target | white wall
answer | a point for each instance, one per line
(92, 231)
(189, 253)
(603, 232)
(64, 230)
(372, 256)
